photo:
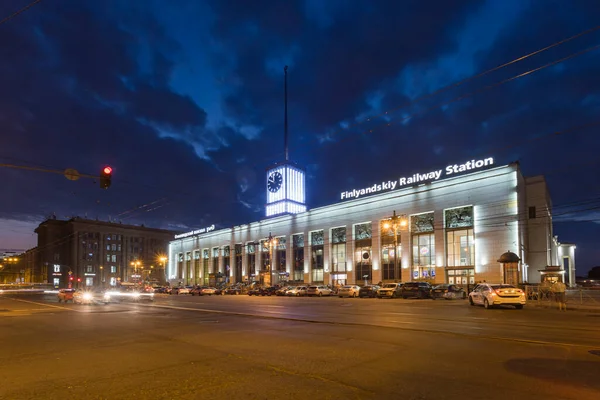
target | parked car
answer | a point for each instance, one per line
(490, 295)
(420, 290)
(318, 290)
(255, 291)
(268, 291)
(368, 291)
(349, 291)
(390, 290)
(282, 291)
(448, 292)
(297, 291)
(181, 290)
(233, 290)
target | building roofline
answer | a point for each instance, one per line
(103, 223)
(515, 166)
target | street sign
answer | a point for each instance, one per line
(72, 174)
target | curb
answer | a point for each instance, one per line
(591, 309)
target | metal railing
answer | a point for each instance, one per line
(575, 296)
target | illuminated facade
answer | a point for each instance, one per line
(451, 229)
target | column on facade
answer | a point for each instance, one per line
(232, 265)
(350, 272)
(406, 243)
(440, 247)
(327, 257)
(273, 261)
(307, 258)
(377, 275)
(245, 269)
(289, 255)
(257, 259)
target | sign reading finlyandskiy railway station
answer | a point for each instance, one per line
(418, 178)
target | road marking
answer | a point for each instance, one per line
(415, 329)
(275, 306)
(45, 305)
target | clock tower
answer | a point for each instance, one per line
(285, 181)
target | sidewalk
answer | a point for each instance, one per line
(589, 308)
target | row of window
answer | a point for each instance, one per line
(460, 249)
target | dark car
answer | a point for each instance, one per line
(448, 292)
(233, 290)
(254, 291)
(368, 291)
(268, 291)
(420, 290)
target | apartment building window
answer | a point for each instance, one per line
(532, 212)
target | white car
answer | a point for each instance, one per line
(319, 290)
(297, 291)
(349, 291)
(497, 294)
(391, 290)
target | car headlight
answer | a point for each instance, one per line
(88, 296)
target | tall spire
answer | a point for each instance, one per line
(285, 123)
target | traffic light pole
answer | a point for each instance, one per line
(71, 174)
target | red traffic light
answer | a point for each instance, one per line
(70, 278)
(78, 279)
(105, 177)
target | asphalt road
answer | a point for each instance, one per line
(240, 347)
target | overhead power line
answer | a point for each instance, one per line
(22, 10)
(463, 81)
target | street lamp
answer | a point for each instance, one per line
(163, 261)
(396, 222)
(135, 265)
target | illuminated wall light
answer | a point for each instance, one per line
(479, 262)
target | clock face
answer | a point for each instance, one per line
(274, 182)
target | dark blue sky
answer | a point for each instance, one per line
(185, 100)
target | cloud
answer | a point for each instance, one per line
(186, 103)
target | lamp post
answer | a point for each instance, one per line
(135, 265)
(163, 261)
(101, 277)
(396, 222)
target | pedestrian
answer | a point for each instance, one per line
(559, 289)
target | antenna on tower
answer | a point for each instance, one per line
(285, 123)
